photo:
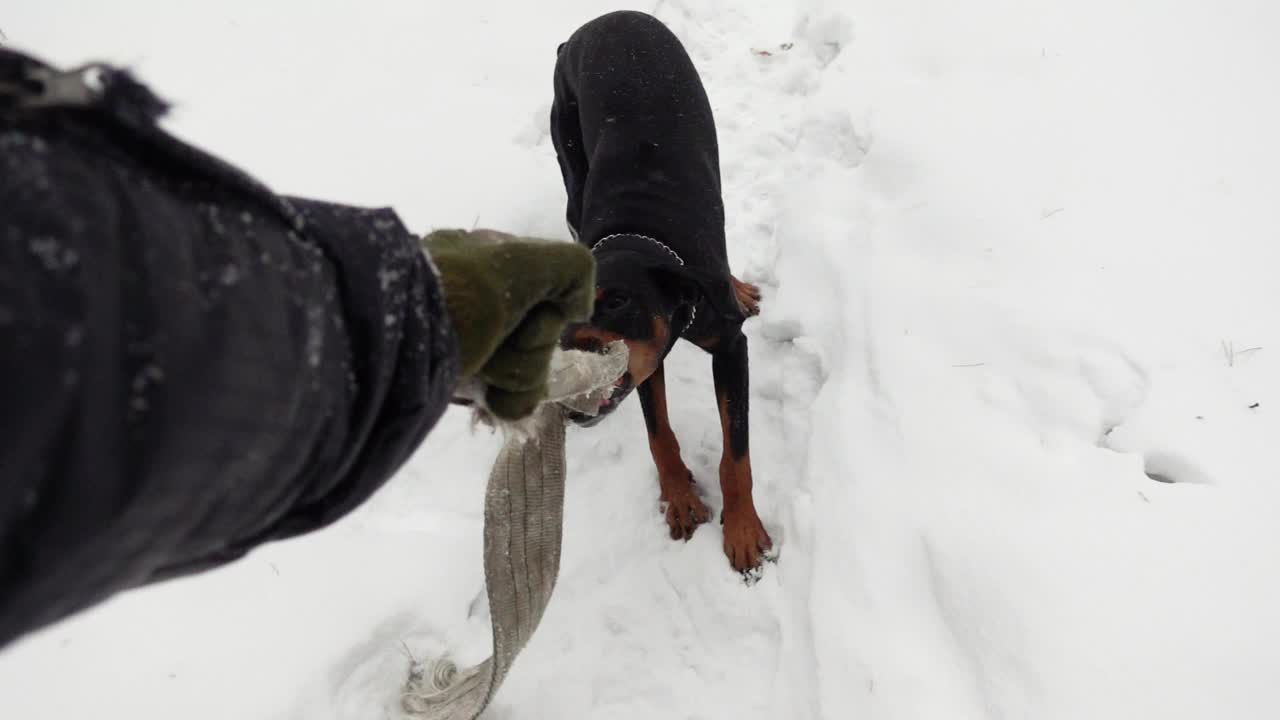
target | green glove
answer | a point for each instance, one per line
(509, 299)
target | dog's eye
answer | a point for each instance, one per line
(614, 302)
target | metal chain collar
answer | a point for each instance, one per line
(693, 309)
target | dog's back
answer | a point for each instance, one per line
(637, 140)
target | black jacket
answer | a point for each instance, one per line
(190, 365)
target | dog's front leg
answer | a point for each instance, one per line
(685, 510)
(745, 539)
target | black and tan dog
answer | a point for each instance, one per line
(637, 147)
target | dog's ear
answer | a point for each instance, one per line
(690, 285)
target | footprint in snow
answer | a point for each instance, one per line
(1167, 466)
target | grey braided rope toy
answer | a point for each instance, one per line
(523, 524)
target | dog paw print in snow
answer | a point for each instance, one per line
(824, 34)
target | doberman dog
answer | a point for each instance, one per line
(636, 143)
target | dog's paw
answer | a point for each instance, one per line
(684, 509)
(746, 542)
(747, 295)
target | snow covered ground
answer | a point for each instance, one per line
(1015, 386)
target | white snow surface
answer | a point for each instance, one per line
(1018, 258)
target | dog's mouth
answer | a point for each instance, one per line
(621, 389)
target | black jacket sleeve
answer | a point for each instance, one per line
(189, 364)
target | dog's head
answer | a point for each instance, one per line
(646, 301)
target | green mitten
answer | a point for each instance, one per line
(509, 299)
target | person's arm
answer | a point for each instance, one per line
(184, 375)
(191, 366)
